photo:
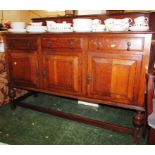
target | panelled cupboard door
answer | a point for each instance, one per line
(63, 73)
(114, 77)
(24, 69)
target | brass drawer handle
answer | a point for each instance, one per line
(15, 63)
(128, 46)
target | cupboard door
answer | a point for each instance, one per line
(114, 78)
(24, 69)
(63, 73)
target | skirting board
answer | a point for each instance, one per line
(88, 103)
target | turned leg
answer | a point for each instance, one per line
(145, 117)
(35, 94)
(151, 136)
(12, 96)
(138, 121)
(145, 125)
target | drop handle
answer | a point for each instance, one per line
(128, 46)
(10, 45)
(70, 44)
(28, 44)
(49, 44)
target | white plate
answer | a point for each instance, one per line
(17, 30)
(139, 28)
(98, 30)
(36, 28)
(117, 29)
(59, 31)
(82, 30)
(36, 31)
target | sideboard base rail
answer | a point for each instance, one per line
(78, 118)
(73, 117)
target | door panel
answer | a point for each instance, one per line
(24, 69)
(63, 73)
(113, 78)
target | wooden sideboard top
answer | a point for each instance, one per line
(82, 33)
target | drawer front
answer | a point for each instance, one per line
(61, 43)
(116, 43)
(22, 44)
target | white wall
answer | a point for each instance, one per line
(13, 15)
(26, 15)
(88, 12)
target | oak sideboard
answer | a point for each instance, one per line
(104, 68)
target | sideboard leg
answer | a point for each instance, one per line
(145, 130)
(12, 96)
(35, 94)
(138, 121)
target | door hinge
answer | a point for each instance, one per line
(88, 79)
(44, 73)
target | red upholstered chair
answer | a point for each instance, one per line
(151, 107)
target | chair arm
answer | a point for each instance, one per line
(150, 91)
(151, 120)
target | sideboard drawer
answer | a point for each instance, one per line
(61, 43)
(22, 43)
(116, 43)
